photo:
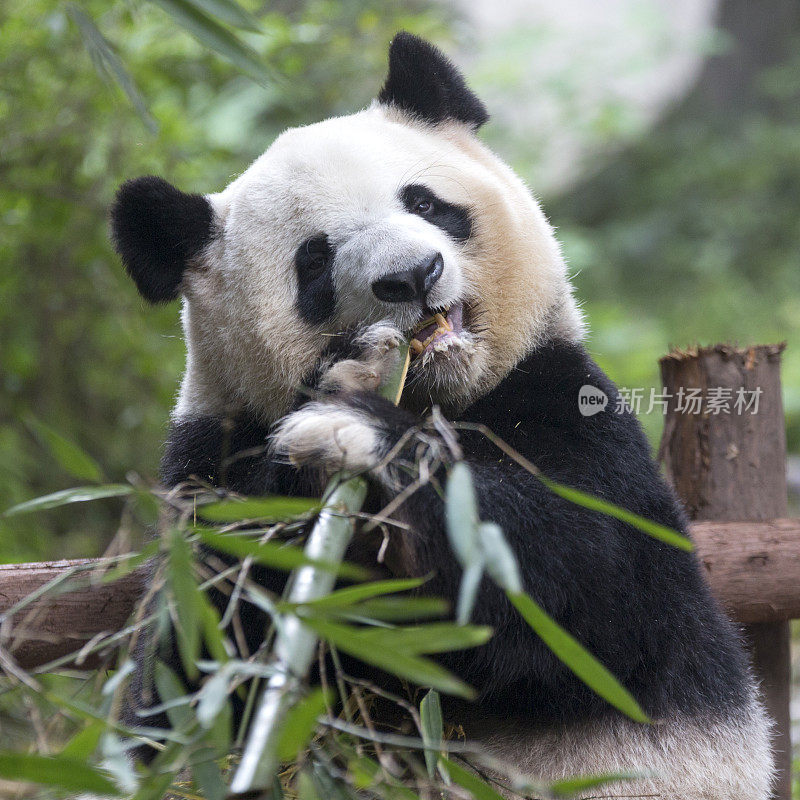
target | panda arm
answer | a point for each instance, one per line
(622, 594)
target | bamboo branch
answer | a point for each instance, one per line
(294, 643)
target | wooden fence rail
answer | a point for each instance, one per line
(729, 469)
(753, 568)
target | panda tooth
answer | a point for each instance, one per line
(444, 323)
(416, 345)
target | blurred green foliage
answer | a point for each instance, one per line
(79, 351)
(691, 233)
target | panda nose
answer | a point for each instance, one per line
(410, 284)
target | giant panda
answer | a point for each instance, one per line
(299, 280)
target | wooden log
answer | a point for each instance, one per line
(77, 609)
(753, 568)
(730, 464)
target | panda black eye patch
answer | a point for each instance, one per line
(452, 219)
(315, 292)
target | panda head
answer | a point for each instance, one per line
(397, 212)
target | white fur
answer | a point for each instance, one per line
(329, 435)
(247, 346)
(684, 758)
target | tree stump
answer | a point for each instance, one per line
(727, 461)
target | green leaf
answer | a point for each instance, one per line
(68, 774)
(155, 787)
(468, 590)
(171, 689)
(414, 668)
(207, 775)
(274, 554)
(70, 457)
(654, 529)
(306, 790)
(106, 61)
(476, 786)
(501, 563)
(435, 637)
(461, 512)
(299, 724)
(576, 657)
(265, 509)
(343, 598)
(187, 600)
(231, 13)
(396, 609)
(80, 494)
(571, 786)
(210, 33)
(212, 635)
(84, 742)
(432, 728)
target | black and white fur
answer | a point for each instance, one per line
(278, 274)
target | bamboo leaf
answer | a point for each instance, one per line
(207, 775)
(212, 635)
(305, 787)
(343, 598)
(84, 742)
(654, 529)
(576, 657)
(213, 696)
(432, 728)
(69, 456)
(210, 33)
(411, 667)
(187, 600)
(106, 61)
(275, 554)
(477, 787)
(501, 563)
(468, 590)
(80, 494)
(461, 513)
(396, 609)
(571, 786)
(230, 13)
(65, 773)
(437, 637)
(299, 724)
(155, 788)
(266, 509)
(171, 690)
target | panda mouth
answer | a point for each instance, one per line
(439, 331)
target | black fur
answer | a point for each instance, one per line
(316, 296)
(452, 219)
(641, 606)
(157, 230)
(424, 82)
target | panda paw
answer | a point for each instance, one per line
(330, 434)
(378, 356)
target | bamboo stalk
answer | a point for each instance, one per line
(294, 643)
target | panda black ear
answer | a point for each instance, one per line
(424, 82)
(157, 230)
